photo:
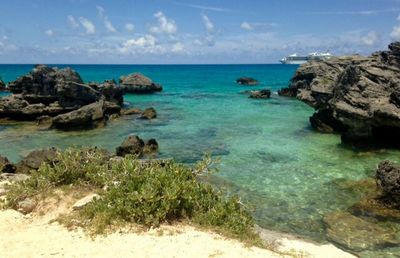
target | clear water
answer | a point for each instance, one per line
(289, 175)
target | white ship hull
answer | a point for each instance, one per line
(298, 62)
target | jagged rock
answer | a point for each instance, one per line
(246, 81)
(131, 145)
(131, 111)
(44, 122)
(35, 158)
(149, 113)
(360, 93)
(387, 177)
(110, 90)
(358, 234)
(6, 166)
(260, 94)
(85, 201)
(139, 84)
(86, 116)
(2, 85)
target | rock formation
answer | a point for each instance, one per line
(246, 81)
(2, 85)
(388, 180)
(355, 96)
(60, 96)
(137, 83)
(149, 113)
(134, 145)
(260, 94)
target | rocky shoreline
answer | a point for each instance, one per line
(58, 98)
(355, 96)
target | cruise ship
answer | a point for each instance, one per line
(296, 59)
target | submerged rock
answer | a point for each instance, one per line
(149, 113)
(260, 94)
(388, 180)
(246, 81)
(358, 93)
(358, 234)
(139, 84)
(131, 111)
(2, 86)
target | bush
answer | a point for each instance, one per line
(136, 192)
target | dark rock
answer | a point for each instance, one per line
(44, 122)
(111, 91)
(246, 81)
(131, 145)
(358, 234)
(86, 116)
(6, 166)
(260, 94)
(149, 113)
(131, 111)
(151, 146)
(360, 93)
(35, 158)
(139, 84)
(388, 180)
(2, 86)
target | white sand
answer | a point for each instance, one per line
(35, 236)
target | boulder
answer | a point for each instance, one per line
(35, 158)
(360, 94)
(387, 177)
(26, 206)
(137, 83)
(6, 166)
(149, 113)
(131, 111)
(86, 116)
(2, 86)
(110, 90)
(151, 146)
(260, 94)
(247, 81)
(131, 145)
(80, 204)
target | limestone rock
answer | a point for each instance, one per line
(247, 81)
(149, 113)
(85, 201)
(137, 83)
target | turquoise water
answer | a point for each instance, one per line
(289, 175)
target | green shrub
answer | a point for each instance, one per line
(136, 192)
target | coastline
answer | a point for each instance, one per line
(37, 236)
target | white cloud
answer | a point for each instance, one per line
(395, 34)
(178, 48)
(246, 26)
(144, 44)
(49, 32)
(107, 23)
(370, 39)
(208, 24)
(165, 25)
(129, 27)
(87, 25)
(72, 22)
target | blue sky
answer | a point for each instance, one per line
(183, 31)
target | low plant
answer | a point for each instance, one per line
(133, 191)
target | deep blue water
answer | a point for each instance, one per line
(289, 175)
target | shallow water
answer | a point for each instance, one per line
(289, 175)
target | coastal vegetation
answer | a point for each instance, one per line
(133, 191)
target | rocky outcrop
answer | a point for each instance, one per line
(133, 145)
(247, 81)
(387, 177)
(61, 97)
(137, 83)
(35, 158)
(355, 96)
(260, 94)
(149, 113)
(2, 86)
(6, 166)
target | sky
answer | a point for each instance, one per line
(191, 31)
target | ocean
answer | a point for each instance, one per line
(288, 175)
